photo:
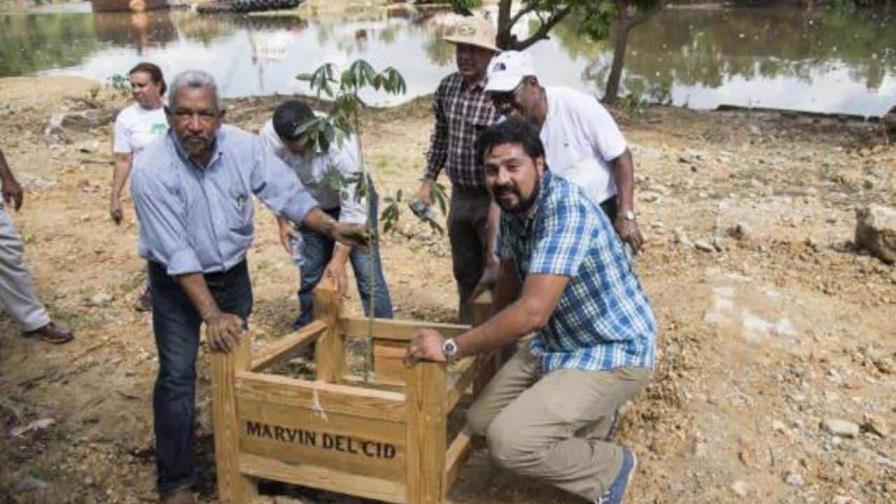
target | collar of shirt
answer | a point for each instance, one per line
(478, 86)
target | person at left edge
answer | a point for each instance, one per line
(192, 190)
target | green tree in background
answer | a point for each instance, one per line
(597, 20)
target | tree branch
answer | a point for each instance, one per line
(543, 30)
(520, 13)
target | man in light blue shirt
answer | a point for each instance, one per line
(193, 193)
(332, 174)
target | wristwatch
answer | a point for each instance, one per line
(628, 215)
(449, 349)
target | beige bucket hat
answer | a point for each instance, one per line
(475, 31)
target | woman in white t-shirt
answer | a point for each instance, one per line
(136, 127)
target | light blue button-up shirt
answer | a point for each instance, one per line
(199, 220)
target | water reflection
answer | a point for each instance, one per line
(782, 57)
(792, 58)
(139, 30)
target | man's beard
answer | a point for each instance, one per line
(197, 145)
(523, 205)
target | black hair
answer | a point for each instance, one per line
(155, 74)
(289, 116)
(509, 131)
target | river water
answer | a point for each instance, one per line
(787, 58)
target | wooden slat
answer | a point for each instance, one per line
(355, 380)
(329, 353)
(326, 479)
(390, 329)
(284, 348)
(345, 443)
(460, 379)
(322, 397)
(233, 487)
(457, 455)
(426, 433)
(482, 308)
(387, 361)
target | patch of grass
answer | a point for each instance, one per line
(133, 281)
(77, 319)
(44, 471)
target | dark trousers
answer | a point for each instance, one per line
(610, 206)
(468, 233)
(317, 250)
(176, 324)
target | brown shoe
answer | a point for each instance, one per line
(51, 333)
(179, 497)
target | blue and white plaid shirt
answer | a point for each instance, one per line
(603, 319)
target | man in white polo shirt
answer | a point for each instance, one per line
(581, 139)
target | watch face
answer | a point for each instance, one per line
(449, 348)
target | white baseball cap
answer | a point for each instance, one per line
(507, 70)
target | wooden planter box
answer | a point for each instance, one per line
(385, 440)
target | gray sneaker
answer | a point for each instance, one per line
(616, 492)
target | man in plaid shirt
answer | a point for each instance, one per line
(594, 341)
(462, 111)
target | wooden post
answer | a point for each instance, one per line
(329, 354)
(233, 487)
(426, 433)
(482, 308)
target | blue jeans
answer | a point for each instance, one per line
(176, 325)
(316, 253)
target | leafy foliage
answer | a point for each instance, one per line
(120, 83)
(594, 19)
(343, 120)
(347, 104)
(634, 104)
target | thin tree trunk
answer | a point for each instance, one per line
(504, 37)
(625, 21)
(620, 41)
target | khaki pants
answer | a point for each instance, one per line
(18, 296)
(530, 421)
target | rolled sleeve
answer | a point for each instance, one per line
(277, 187)
(163, 233)
(182, 262)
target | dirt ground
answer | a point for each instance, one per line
(772, 323)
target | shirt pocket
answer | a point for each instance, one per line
(240, 208)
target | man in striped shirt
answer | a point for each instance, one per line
(594, 341)
(462, 110)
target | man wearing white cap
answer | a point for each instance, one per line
(582, 141)
(462, 110)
